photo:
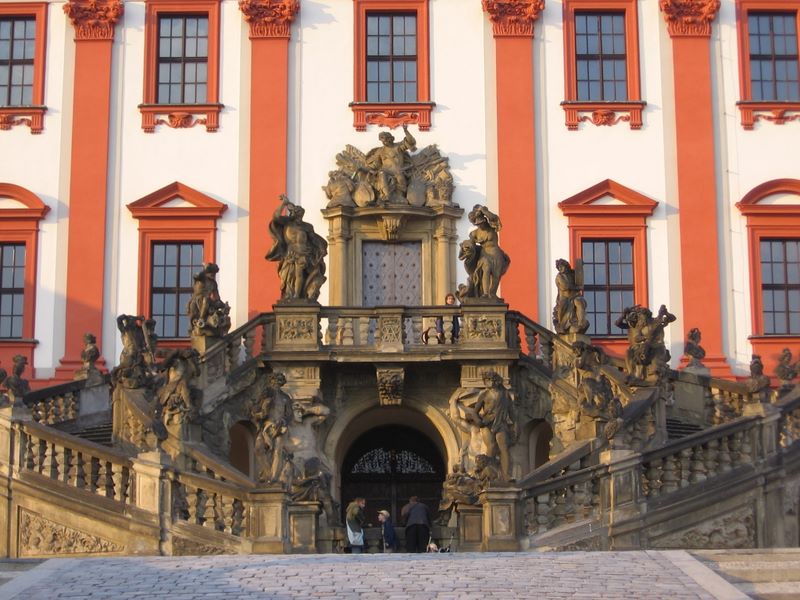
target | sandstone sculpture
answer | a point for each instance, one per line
(569, 313)
(647, 355)
(208, 314)
(483, 258)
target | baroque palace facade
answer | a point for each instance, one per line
(650, 143)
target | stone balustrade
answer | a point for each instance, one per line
(57, 403)
(209, 503)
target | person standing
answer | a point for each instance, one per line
(355, 519)
(418, 524)
(388, 535)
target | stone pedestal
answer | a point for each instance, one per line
(9, 446)
(213, 367)
(304, 526)
(470, 527)
(619, 495)
(297, 326)
(269, 521)
(148, 469)
(500, 519)
(483, 325)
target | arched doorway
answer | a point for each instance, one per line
(388, 464)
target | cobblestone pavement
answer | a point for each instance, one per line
(459, 576)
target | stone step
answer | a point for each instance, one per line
(771, 591)
(768, 574)
(12, 568)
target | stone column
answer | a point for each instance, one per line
(304, 527)
(94, 23)
(501, 523)
(270, 30)
(470, 527)
(512, 26)
(269, 521)
(689, 26)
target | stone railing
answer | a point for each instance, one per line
(209, 503)
(789, 422)
(73, 462)
(56, 403)
(237, 347)
(540, 342)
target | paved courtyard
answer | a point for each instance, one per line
(673, 575)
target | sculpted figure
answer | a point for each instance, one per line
(693, 349)
(494, 408)
(596, 401)
(647, 354)
(208, 314)
(137, 358)
(17, 386)
(314, 485)
(758, 383)
(487, 471)
(89, 356)
(390, 163)
(483, 258)
(177, 397)
(569, 314)
(339, 190)
(459, 488)
(300, 253)
(785, 370)
(271, 415)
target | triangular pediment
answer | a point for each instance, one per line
(608, 196)
(177, 197)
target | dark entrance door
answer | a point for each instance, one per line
(389, 464)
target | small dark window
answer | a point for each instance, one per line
(12, 289)
(391, 57)
(182, 59)
(174, 264)
(17, 49)
(607, 283)
(773, 57)
(780, 286)
(600, 60)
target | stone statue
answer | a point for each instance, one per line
(208, 314)
(459, 488)
(16, 385)
(588, 357)
(299, 251)
(647, 355)
(89, 356)
(137, 359)
(494, 409)
(596, 401)
(390, 175)
(487, 471)
(569, 314)
(785, 370)
(758, 384)
(314, 485)
(271, 415)
(693, 349)
(177, 398)
(483, 258)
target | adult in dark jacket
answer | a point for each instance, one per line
(388, 535)
(418, 525)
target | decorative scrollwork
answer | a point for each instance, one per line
(513, 17)
(94, 20)
(269, 18)
(689, 17)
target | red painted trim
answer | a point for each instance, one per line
(180, 116)
(391, 114)
(88, 188)
(21, 225)
(516, 169)
(749, 204)
(32, 116)
(697, 194)
(603, 113)
(160, 223)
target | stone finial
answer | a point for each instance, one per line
(16, 385)
(689, 18)
(693, 349)
(269, 18)
(94, 19)
(786, 370)
(513, 18)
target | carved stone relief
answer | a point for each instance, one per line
(735, 529)
(42, 537)
(390, 386)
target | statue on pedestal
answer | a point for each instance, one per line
(89, 356)
(483, 258)
(137, 359)
(299, 251)
(569, 313)
(16, 385)
(208, 314)
(647, 355)
(694, 350)
(177, 397)
(494, 408)
(272, 415)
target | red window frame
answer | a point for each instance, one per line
(33, 115)
(180, 116)
(602, 113)
(21, 225)
(588, 220)
(391, 114)
(766, 221)
(751, 111)
(160, 222)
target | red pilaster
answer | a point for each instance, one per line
(689, 25)
(512, 24)
(270, 30)
(94, 23)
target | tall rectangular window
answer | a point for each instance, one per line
(773, 56)
(173, 265)
(600, 57)
(182, 59)
(780, 286)
(391, 57)
(12, 290)
(17, 53)
(607, 283)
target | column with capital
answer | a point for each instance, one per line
(689, 25)
(94, 22)
(270, 30)
(512, 26)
